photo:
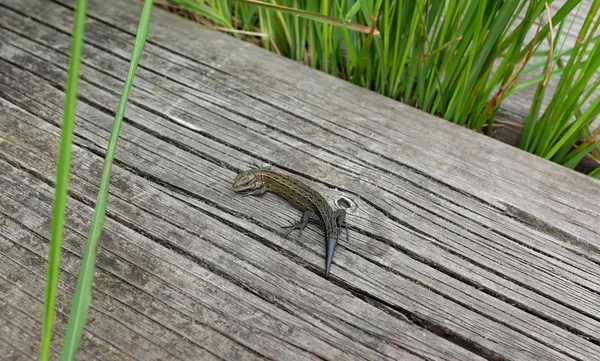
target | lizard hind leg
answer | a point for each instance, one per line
(340, 216)
(301, 224)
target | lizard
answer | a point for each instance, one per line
(312, 204)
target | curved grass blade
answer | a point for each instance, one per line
(62, 178)
(206, 11)
(314, 16)
(579, 153)
(83, 290)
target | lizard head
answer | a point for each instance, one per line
(249, 182)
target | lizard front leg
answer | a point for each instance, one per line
(302, 223)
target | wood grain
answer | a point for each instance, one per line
(452, 255)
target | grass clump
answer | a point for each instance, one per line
(457, 60)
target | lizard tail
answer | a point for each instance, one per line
(331, 243)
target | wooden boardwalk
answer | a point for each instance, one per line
(461, 247)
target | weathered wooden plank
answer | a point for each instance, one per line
(79, 242)
(157, 231)
(531, 240)
(83, 216)
(29, 324)
(23, 311)
(8, 351)
(124, 271)
(113, 263)
(108, 328)
(149, 335)
(22, 344)
(414, 231)
(331, 102)
(538, 243)
(339, 116)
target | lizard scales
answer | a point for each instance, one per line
(312, 204)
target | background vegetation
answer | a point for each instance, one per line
(455, 59)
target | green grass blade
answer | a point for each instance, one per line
(595, 173)
(492, 38)
(575, 128)
(353, 10)
(578, 156)
(364, 52)
(535, 80)
(205, 11)
(313, 16)
(351, 54)
(62, 177)
(555, 56)
(83, 290)
(365, 6)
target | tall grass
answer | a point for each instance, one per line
(555, 133)
(455, 59)
(83, 289)
(62, 178)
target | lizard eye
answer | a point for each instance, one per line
(249, 181)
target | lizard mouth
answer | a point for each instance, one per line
(243, 191)
(244, 184)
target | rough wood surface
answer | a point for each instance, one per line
(453, 255)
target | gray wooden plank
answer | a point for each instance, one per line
(27, 325)
(388, 207)
(124, 270)
(24, 311)
(112, 318)
(108, 330)
(424, 350)
(228, 349)
(30, 324)
(532, 242)
(9, 352)
(202, 71)
(157, 231)
(21, 344)
(28, 217)
(572, 261)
